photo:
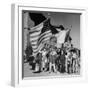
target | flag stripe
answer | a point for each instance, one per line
(37, 49)
(45, 40)
(37, 28)
(44, 37)
(35, 34)
(31, 32)
(32, 39)
(44, 34)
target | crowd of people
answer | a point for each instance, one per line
(65, 59)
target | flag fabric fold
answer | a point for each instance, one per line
(39, 35)
(61, 36)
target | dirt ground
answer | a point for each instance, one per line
(29, 73)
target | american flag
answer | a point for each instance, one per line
(39, 35)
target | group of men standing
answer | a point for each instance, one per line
(63, 60)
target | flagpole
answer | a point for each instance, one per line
(49, 15)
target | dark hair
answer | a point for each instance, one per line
(61, 27)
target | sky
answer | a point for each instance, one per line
(68, 20)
